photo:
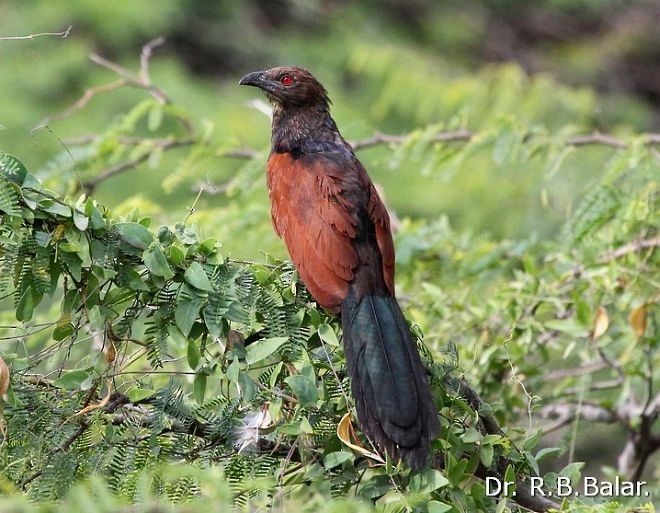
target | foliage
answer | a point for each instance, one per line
(260, 386)
(152, 366)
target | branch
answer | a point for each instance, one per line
(64, 34)
(596, 138)
(586, 368)
(128, 79)
(524, 496)
(164, 144)
(82, 101)
(141, 81)
(379, 139)
(566, 412)
(632, 247)
(116, 401)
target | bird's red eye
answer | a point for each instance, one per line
(286, 80)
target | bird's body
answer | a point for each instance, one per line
(337, 231)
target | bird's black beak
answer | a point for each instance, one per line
(255, 79)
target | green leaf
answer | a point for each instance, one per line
(199, 388)
(9, 199)
(186, 313)
(196, 277)
(194, 355)
(96, 318)
(547, 451)
(438, 507)
(136, 394)
(486, 455)
(328, 335)
(375, 487)
(247, 386)
(568, 326)
(72, 380)
(456, 472)
(304, 388)
(305, 426)
(510, 474)
(12, 169)
(427, 480)
(26, 304)
(155, 117)
(80, 220)
(177, 255)
(134, 234)
(156, 261)
(63, 330)
(572, 471)
(471, 436)
(262, 349)
(334, 459)
(55, 207)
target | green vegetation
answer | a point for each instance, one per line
(165, 356)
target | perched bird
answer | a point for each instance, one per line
(337, 232)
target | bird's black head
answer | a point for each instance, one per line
(289, 86)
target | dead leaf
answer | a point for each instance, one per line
(4, 377)
(346, 433)
(111, 353)
(601, 323)
(103, 402)
(638, 320)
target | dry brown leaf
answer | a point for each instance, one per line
(638, 320)
(103, 402)
(4, 377)
(111, 353)
(601, 323)
(346, 434)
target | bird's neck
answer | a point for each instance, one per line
(305, 129)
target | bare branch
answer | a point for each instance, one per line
(379, 139)
(142, 81)
(632, 247)
(240, 154)
(82, 101)
(145, 55)
(596, 138)
(601, 385)
(586, 368)
(652, 138)
(165, 144)
(566, 412)
(524, 496)
(128, 79)
(63, 34)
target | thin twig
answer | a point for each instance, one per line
(586, 368)
(632, 247)
(64, 34)
(82, 101)
(111, 171)
(145, 55)
(378, 139)
(128, 79)
(596, 138)
(457, 136)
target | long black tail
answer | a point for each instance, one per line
(393, 398)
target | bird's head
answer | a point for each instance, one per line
(289, 86)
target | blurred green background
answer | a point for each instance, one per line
(560, 67)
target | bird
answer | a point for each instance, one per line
(337, 232)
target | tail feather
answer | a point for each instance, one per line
(393, 398)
